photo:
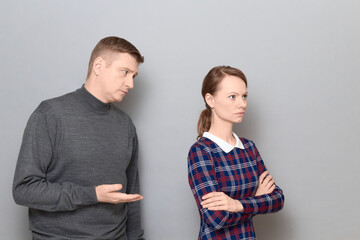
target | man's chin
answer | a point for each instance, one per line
(119, 99)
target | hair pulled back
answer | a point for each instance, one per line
(210, 85)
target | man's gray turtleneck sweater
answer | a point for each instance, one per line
(72, 144)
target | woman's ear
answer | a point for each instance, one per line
(209, 99)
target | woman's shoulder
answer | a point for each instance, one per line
(247, 143)
(246, 140)
(201, 148)
(202, 143)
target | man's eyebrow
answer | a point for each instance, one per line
(130, 70)
(237, 93)
(126, 68)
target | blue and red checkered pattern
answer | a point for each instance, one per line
(236, 174)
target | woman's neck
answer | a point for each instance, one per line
(223, 130)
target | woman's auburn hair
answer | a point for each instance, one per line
(210, 85)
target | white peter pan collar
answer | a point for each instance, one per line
(225, 146)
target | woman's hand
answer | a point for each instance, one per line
(216, 201)
(266, 184)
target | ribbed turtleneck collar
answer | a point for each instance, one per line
(91, 102)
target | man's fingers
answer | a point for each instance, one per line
(130, 197)
(111, 187)
(115, 187)
(133, 199)
(123, 197)
(110, 193)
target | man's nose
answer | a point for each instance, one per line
(130, 83)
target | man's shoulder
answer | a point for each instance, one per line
(62, 99)
(54, 105)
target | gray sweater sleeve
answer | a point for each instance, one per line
(30, 186)
(133, 225)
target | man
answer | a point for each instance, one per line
(77, 169)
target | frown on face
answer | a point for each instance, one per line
(229, 102)
(117, 76)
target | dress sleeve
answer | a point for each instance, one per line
(267, 203)
(30, 186)
(133, 224)
(202, 180)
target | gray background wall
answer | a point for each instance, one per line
(302, 60)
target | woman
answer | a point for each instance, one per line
(227, 176)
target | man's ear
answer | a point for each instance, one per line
(209, 99)
(98, 65)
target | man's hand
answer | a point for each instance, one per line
(109, 193)
(266, 184)
(216, 201)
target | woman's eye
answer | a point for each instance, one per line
(232, 96)
(244, 97)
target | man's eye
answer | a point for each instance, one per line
(125, 71)
(232, 96)
(245, 97)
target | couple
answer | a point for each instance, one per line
(77, 169)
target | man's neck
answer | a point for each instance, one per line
(91, 87)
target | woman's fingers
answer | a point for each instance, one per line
(272, 188)
(262, 176)
(214, 200)
(211, 200)
(220, 201)
(212, 204)
(217, 208)
(266, 184)
(267, 179)
(213, 197)
(216, 204)
(270, 183)
(212, 194)
(269, 187)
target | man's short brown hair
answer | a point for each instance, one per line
(113, 45)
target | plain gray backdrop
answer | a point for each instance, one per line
(302, 61)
